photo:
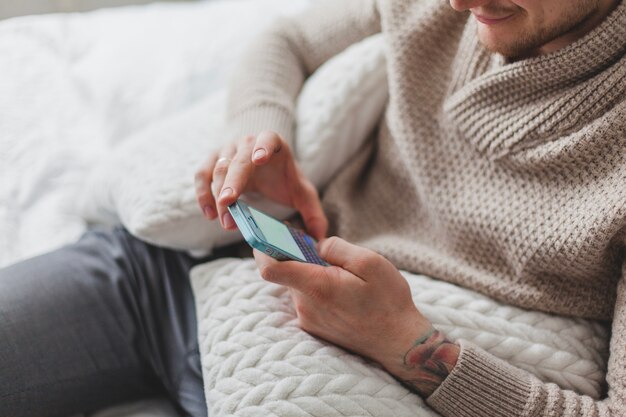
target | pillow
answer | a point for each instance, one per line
(256, 361)
(147, 182)
(339, 106)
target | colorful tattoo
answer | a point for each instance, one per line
(429, 362)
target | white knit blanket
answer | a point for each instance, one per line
(257, 362)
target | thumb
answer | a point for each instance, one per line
(309, 279)
(361, 262)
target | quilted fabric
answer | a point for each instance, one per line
(256, 361)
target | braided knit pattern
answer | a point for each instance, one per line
(256, 361)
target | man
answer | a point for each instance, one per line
(499, 165)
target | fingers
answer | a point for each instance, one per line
(304, 196)
(229, 187)
(310, 279)
(203, 179)
(250, 152)
(228, 174)
(267, 144)
(220, 170)
(363, 263)
(306, 200)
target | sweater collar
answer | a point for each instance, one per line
(503, 107)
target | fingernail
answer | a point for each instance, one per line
(208, 211)
(228, 221)
(226, 192)
(260, 153)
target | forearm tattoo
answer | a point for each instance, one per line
(429, 362)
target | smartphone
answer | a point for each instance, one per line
(273, 237)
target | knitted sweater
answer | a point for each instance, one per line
(507, 178)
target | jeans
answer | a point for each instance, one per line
(105, 320)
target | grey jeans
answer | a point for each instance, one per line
(105, 320)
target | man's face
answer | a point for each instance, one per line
(522, 28)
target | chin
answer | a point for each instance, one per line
(502, 49)
(510, 48)
(496, 46)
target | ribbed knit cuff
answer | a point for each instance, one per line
(261, 118)
(481, 385)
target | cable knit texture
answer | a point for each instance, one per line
(508, 178)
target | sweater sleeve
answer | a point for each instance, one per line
(481, 385)
(263, 91)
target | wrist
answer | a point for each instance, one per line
(427, 362)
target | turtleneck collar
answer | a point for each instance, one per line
(504, 107)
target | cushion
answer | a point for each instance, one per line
(147, 182)
(256, 361)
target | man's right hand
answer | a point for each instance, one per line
(262, 164)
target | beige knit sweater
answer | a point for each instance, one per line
(507, 178)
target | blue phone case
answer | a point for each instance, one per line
(255, 238)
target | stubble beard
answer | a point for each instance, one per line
(530, 41)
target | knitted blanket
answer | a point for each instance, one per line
(257, 362)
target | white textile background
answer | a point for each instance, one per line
(74, 87)
(12, 8)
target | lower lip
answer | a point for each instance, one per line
(486, 21)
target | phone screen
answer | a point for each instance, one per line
(277, 233)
